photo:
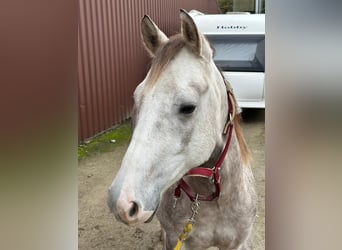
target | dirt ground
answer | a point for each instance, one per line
(99, 230)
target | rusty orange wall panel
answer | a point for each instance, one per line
(111, 57)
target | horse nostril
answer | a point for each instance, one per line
(134, 209)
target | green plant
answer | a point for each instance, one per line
(106, 141)
(225, 5)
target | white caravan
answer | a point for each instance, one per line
(239, 42)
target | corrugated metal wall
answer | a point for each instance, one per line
(111, 58)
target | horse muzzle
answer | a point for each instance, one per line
(127, 209)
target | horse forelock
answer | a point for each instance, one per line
(164, 56)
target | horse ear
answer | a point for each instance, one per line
(192, 35)
(152, 36)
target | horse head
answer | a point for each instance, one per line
(180, 112)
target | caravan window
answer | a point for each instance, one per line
(239, 52)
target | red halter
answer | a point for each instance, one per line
(211, 173)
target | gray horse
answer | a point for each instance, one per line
(187, 160)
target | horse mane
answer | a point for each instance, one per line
(164, 56)
(245, 153)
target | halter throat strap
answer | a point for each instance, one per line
(213, 174)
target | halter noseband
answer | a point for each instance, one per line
(213, 174)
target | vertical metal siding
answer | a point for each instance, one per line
(111, 57)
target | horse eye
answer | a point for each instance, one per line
(187, 109)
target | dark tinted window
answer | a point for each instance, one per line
(239, 52)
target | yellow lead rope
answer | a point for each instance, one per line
(186, 230)
(188, 226)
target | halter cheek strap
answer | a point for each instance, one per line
(213, 174)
